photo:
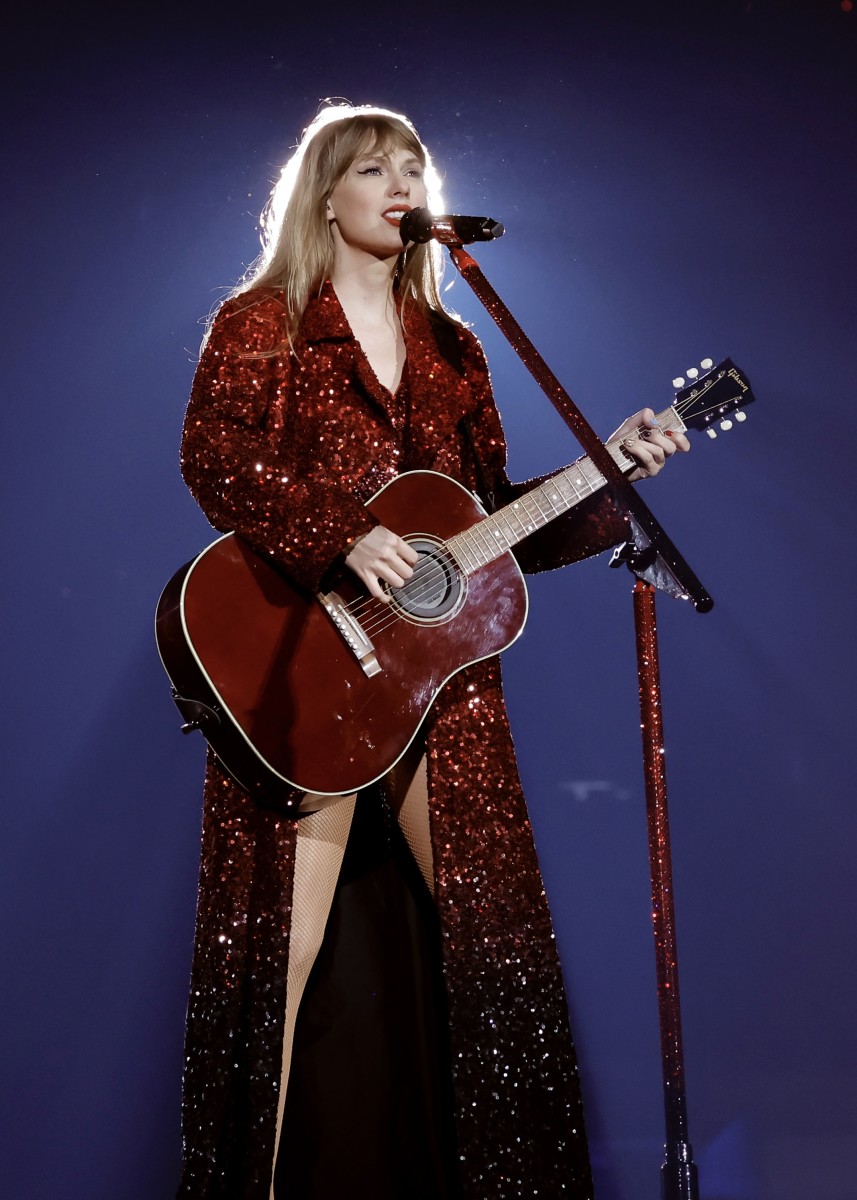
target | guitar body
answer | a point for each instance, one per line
(285, 703)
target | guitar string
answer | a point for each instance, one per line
(427, 579)
(427, 567)
(428, 573)
(427, 576)
(391, 611)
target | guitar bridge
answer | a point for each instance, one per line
(352, 632)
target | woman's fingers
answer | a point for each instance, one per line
(382, 557)
(648, 444)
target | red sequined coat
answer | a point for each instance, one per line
(286, 450)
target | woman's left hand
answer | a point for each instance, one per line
(647, 445)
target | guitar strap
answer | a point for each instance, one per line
(450, 349)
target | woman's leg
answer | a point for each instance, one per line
(321, 841)
(406, 789)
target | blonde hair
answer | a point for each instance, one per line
(297, 244)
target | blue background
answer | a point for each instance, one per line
(676, 181)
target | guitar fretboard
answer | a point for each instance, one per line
(497, 533)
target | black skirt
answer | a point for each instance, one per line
(369, 1103)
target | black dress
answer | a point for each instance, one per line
(369, 1102)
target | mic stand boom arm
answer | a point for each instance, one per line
(672, 574)
(656, 562)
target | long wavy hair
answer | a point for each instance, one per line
(297, 244)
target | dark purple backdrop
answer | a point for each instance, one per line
(676, 181)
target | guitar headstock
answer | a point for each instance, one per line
(710, 400)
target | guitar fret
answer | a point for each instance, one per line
(578, 477)
(481, 543)
(592, 477)
(498, 539)
(517, 513)
(538, 518)
(457, 546)
(551, 494)
(560, 492)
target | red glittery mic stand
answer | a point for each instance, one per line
(656, 562)
(679, 1175)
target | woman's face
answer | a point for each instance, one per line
(368, 202)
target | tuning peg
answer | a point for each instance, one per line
(692, 372)
(707, 364)
(725, 424)
(712, 432)
(678, 382)
(740, 416)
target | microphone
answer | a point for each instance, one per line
(419, 225)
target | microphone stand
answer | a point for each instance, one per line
(656, 562)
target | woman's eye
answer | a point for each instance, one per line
(369, 171)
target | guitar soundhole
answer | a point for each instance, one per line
(435, 589)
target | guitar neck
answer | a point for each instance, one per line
(499, 532)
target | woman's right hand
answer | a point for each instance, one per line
(381, 555)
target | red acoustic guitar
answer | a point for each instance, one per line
(325, 693)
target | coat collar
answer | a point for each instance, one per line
(324, 319)
(439, 395)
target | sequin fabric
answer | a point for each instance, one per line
(286, 450)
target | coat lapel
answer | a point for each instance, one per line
(439, 394)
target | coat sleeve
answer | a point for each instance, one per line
(589, 528)
(237, 456)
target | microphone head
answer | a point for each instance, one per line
(419, 225)
(415, 226)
